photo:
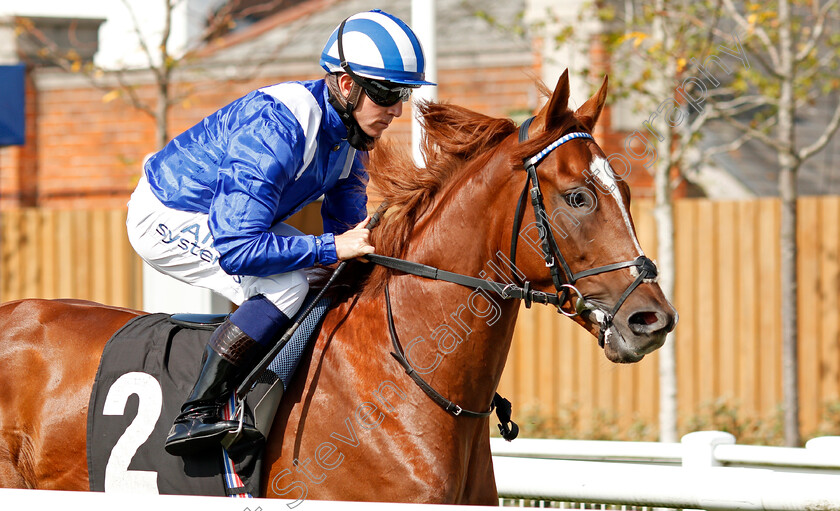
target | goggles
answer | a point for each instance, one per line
(383, 95)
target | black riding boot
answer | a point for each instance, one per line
(200, 425)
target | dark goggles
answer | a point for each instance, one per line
(382, 94)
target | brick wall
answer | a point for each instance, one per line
(83, 152)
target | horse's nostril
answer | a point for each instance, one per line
(645, 322)
(644, 318)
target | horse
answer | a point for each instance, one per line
(354, 423)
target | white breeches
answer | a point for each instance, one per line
(179, 244)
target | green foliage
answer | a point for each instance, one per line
(830, 424)
(721, 414)
(569, 423)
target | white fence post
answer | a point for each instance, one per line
(824, 444)
(699, 448)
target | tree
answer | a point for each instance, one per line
(797, 47)
(161, 59)
(656, 49)
(651, 47)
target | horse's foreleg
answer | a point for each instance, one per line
(480, 488)
(15, 464)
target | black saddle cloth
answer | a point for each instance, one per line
(147, 370)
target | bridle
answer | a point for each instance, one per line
(562, 276)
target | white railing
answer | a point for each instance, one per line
(707, 470)
(59, 500)
(704, 471)
(698, 449)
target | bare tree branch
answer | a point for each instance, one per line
(133, 98)
(822, 65)
(163, 47)
(738, 103)
(714, 31)
(738, 142)
(143, 46)
(250, 70)
(759, 31)
(816, 35)
(55, 56)
(755, 133)
(806, 152)
(222, 20)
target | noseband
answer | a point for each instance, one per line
(562, 276)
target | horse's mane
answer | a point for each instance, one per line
(453, 137)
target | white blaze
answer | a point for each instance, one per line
(600, 168)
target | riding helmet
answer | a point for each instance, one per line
(379, 46)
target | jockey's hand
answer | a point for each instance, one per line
(354, 243)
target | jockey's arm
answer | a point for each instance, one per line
(245, 204)
(345, 205)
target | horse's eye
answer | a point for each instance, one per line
(575, 199)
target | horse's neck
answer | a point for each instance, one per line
(467, 333)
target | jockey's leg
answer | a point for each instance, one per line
(266, 305)
(231, 352)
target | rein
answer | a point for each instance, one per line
(508, 429)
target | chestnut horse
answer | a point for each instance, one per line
(353, 425)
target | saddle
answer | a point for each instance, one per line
(316, 276)
(264, 397)
(146, 370)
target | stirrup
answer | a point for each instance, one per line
(231, 437)
(241, 433)
(190, 444)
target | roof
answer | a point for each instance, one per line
(298, 34)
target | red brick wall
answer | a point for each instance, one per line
(89, 149)
(9, 179)
(84, 152)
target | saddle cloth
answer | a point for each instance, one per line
(146, 371)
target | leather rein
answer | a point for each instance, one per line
(561, 275)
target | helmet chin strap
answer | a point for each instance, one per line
(345, 106)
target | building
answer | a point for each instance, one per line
(85, 143)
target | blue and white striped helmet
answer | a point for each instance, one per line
(379, 46)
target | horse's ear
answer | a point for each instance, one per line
(589, 112)
(559, 102)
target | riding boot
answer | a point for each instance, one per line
(200, 425)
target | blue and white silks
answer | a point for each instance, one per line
(256, 162)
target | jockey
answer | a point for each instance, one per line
(210, 206)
